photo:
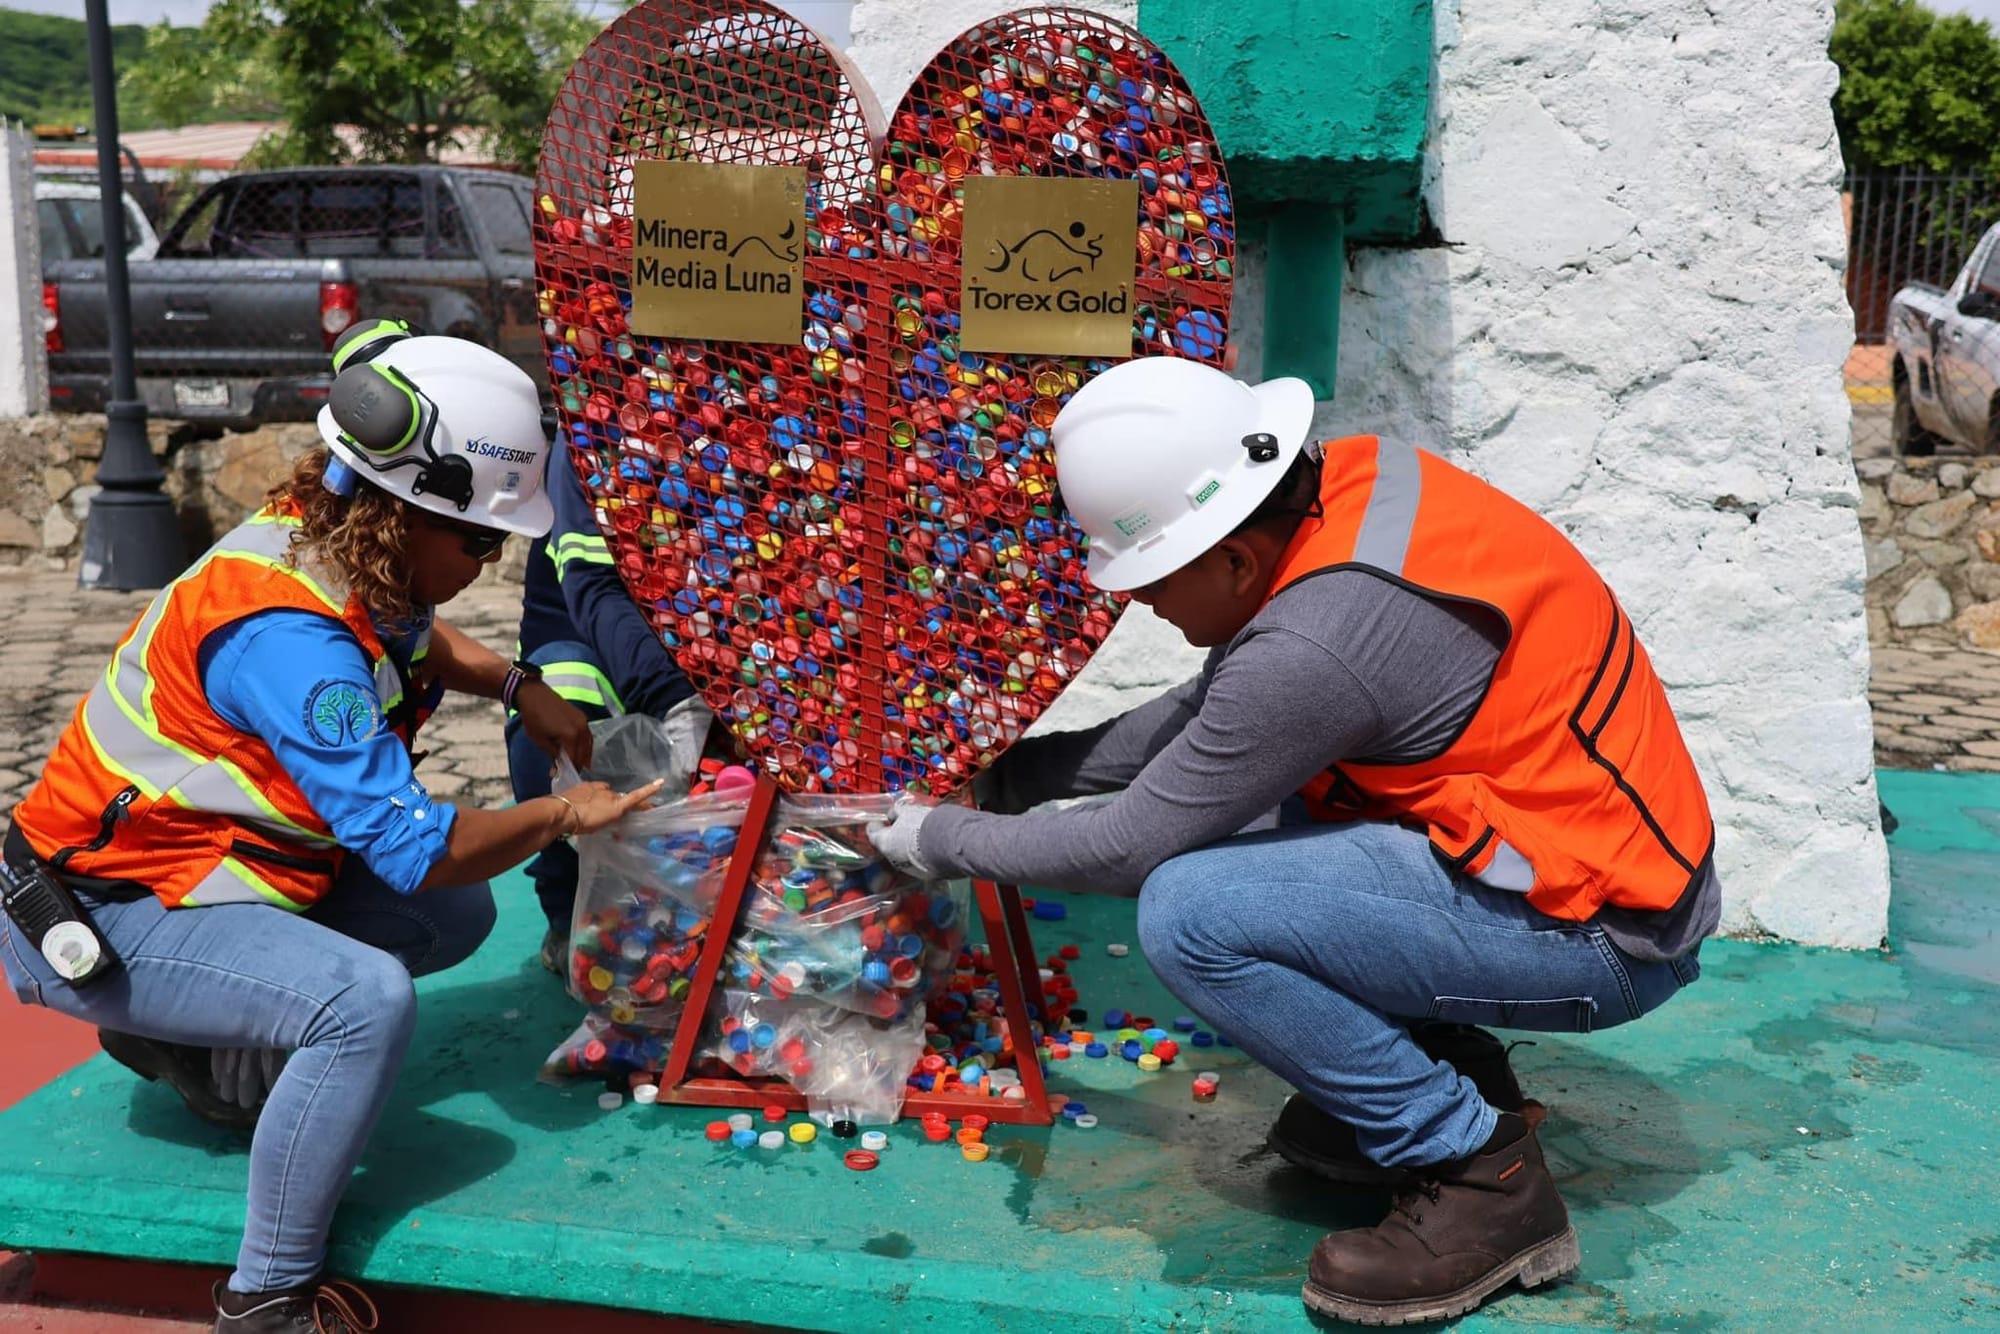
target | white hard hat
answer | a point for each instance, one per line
(1161, 458)
(442, 423)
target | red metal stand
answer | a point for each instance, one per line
(1013, 962)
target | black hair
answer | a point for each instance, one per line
(1294, 499)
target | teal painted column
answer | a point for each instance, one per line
(1320, 109)
(1306, 256)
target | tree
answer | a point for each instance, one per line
(413, 77)
(1917, 89)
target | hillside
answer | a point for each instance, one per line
(45, 77)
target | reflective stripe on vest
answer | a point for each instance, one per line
(1570, 783)
(217, 819)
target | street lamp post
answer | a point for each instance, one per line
(131, 539)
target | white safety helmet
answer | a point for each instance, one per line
(442, 423)
(1161, 458)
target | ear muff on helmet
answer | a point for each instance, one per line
(382, 415)
(368, 340)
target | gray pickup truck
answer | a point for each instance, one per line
(1946, 374)
(232, 320)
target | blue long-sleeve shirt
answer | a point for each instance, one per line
(268, 674)
(573, 595)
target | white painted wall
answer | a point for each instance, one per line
(24, 384)
(1635, 324)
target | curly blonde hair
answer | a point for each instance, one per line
(363, 539)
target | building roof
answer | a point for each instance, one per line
(219, 147)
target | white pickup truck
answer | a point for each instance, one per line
(1946, 373)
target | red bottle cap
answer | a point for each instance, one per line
(861, 1160)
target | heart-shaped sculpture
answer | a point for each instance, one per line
(851, 542)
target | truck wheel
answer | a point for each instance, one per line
(1906, 436)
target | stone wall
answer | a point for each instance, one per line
(1931, 530)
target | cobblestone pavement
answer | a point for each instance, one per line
(1933, 707)
(55, 639)
(1936, 708)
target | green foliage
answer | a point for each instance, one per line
(412, 76)
(1917, 89)
(45, 68)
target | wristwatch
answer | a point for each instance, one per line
(518, 672)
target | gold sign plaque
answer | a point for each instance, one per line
(1049, 265)
(718, 251)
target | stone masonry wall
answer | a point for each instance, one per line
(1932, 538)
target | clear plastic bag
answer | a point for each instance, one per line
(825, 980)
(828, 918)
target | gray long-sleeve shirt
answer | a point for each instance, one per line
(1343, 666)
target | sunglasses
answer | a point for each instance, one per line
(476, 542)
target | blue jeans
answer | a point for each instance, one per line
(1316, 948)
(332, 986)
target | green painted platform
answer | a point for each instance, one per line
(1805, 1140)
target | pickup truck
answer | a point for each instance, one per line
(233, 318)
(1945, 376)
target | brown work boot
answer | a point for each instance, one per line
(1318, 1141)
(1454, 1236)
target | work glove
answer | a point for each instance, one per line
(897, 839)
(245, 1075)
(686, 726)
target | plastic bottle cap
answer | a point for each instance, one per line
(1086, 1121)
(773, 1112)
(874, 1140)
(860, 1160)
(771, 1139)
(744, 1138)
(1117, 951)
(717, 1131)
(975, 1122)
(975, 1151)
(1209, 1075)
(968, 1135)
(646, 1094)
(610, 1101)
(804, 1132)
(845, 1130)
(740, 1120)
(1149, 1062)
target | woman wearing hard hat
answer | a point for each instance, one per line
(1489, 813)
(231, 823)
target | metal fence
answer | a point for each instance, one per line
(1918, 227)
(237, 302)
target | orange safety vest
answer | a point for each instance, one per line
(1571, 782)
(148, 784)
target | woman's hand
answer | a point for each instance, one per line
(553, 723)
(593, 806)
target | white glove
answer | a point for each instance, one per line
(686, 726)
(898, 842)
(245, 1075)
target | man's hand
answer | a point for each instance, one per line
(553, 723)
(246, 1075)
(898, 843)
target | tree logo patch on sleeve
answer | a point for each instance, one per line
(340, 713)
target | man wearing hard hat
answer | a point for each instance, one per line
(1489, 816)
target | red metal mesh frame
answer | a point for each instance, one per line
(851, 544)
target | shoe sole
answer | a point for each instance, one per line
(1544, 1262)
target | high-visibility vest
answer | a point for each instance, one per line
(149, 784)
(1571, 782)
